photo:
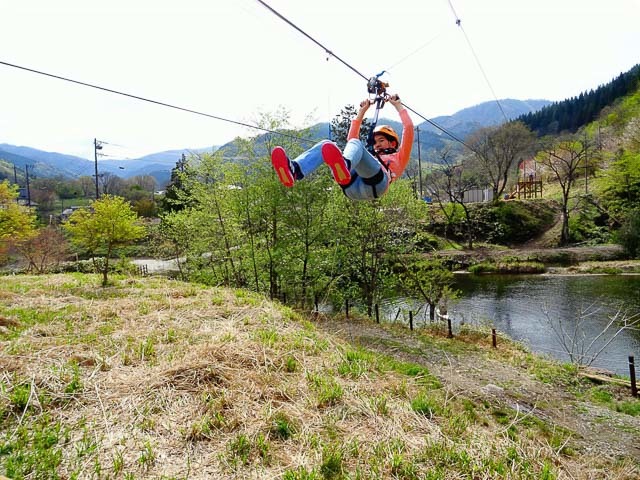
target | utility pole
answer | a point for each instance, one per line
(419, 164)
(26, 169)
(96, 146)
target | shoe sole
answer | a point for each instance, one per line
(332, 156)
(280, 164)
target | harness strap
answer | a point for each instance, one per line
(371, 181)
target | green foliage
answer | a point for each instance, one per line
(301, 473)
(282, 427)
(629, 235)
(507, 266)
(425, 405)
(603, 396)
(328, 391)
(35, 450)
(512, 222)
(575, 112)
(428, 279)
(332, 462)
(622, 182)
(17, 222)
(584, 230)
(241, 228)
(483, 267)
(109, 224)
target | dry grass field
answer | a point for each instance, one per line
(154, 378)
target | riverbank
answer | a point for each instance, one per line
(597, 259)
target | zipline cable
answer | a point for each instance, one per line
(427, 43)
(293, 25)
(473, 52)
(156, 102)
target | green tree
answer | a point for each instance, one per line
(213, 193)
(341, 123)
(622, 183)
(428, 279)
(110, 223)
(17, 222)
(177, 196)
(372, 236)
(177, 234)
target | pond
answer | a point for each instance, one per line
(534, 308)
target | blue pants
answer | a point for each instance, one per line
(368, 179)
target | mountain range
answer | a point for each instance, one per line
(51, 164)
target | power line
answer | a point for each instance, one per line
(148, 100)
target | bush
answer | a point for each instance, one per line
(629, 235)
(513, 222)
(483, 267)
(508, 267)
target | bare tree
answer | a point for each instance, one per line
(448, 184)
(145, 182)
(497, 151)
(581, 349)
(631, 135)
(565, 159)
(48, 248)
(112, 184)
(88, 186)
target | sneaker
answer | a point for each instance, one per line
(332, 156)
(282, 166)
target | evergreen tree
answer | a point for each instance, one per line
(177, 197)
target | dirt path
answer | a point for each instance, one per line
(474, 374)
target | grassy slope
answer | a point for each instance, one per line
(153, 378)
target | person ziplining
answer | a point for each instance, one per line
(363, 173)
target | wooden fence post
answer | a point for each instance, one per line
(494, 338)
(632, 375)
(377, 313)
(346, 306)
(410, 320)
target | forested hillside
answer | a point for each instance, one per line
(575, 112)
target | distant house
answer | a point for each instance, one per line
(66, 213)
(478, 195)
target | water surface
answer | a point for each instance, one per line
(534, 308)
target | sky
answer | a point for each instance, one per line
(238, 61)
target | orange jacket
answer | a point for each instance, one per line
(395, 162)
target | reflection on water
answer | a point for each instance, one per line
(516, 305)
